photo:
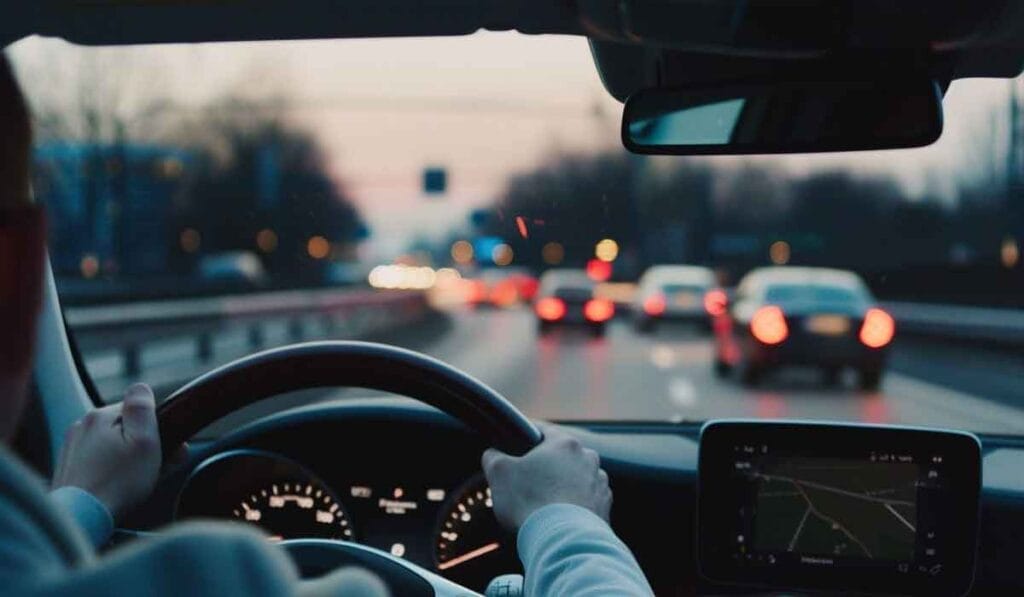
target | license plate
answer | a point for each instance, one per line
(828, 325)
(685, 300)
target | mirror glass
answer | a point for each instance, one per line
(783, 117)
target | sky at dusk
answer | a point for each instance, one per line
(483, 106)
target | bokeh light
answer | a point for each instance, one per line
(779, 252)
(606, 250)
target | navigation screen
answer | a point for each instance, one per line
(828, 506)
(832, 507)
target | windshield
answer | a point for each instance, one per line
(209, 201)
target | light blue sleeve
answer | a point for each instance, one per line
(91, 515)
(569, 551)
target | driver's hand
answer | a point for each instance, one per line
(114, 452)
(558, 471)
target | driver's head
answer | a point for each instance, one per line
(22, 242)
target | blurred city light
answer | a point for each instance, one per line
(553, 253)
(521, 225)
(1010, 253)
(404, 277)
(779, 252)
(599, 271)
(190, 240)
(462, 252)
(266, 240)
(90, 266)
(447, 275)
(606, 250)
(318, 247)
(502, 255)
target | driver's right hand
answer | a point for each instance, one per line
(558, 471)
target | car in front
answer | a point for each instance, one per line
(672, 292)
(785, 316)
(566, 296)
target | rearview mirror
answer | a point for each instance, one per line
(792, 117)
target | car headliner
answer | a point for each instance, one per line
(636, 43)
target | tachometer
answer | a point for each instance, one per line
(470, 546)
(276, 494)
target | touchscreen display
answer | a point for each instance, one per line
(825, 508)
(838, 507)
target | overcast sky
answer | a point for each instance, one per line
(482, 106)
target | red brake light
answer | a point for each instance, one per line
(715, 302)
(598, 310)
(768, 325)
(878, 328)
(654, 305)
(550, 308)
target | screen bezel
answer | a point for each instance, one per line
(716, 515)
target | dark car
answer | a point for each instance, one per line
(566, 296)
(783, 316)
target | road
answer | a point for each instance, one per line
(668, 376)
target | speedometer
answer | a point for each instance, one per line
(470, 546)
(293, 509)
(269, 491)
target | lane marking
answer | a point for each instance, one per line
(682, 392)
(662, 356)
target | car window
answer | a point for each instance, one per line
(210, 201)
(811, 293)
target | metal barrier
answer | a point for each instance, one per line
(167, 342)
(977, 324)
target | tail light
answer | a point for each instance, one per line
(768, 325)
(878, 328)
(654, 305)
(598, 310)
(550, 308)
(715, 302)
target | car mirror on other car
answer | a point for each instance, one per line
(789, 117)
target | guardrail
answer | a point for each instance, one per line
(167, 342)
(977, 324)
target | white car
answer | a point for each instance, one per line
(674, 292)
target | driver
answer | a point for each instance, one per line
(556, 496)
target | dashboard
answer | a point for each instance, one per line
(399, 488)
(358, 453)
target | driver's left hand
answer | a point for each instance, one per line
(114, 452)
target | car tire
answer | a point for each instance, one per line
(645, 326)
(597, 331)
(869, 379)
(722, 369)
(543, 328)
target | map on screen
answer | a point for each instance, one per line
(835, 507)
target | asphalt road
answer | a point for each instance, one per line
(668, 376)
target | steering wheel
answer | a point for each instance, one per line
(349, 364)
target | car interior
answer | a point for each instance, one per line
(392, 473)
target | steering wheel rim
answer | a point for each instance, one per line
(365, 365)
